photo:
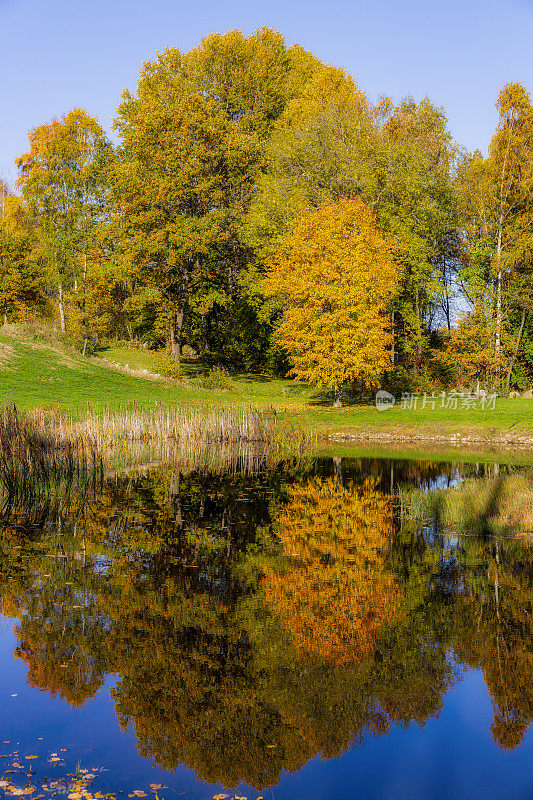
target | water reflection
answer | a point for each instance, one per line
(256, 620)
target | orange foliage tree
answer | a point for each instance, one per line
(336, 593)
(335, 276)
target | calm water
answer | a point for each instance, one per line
(293, 634)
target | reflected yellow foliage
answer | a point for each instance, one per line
(335, 592)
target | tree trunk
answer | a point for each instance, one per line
(61, 308)
(205, 335)
(176, 327)
(418, 332)
(393, 333)
(337, 403)
(515, 354)
(497, 348)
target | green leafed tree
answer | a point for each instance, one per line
(193, 144)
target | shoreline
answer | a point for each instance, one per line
(458, 439)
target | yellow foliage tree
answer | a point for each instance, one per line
(336, 592)
(335, 276)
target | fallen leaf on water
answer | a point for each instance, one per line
(220, 796)
(31, 756)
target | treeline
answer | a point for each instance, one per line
(195, 230)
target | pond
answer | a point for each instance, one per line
(339, 628)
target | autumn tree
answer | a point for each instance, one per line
(22, 277)
(335, 276)
(467, 351)
(63, 178)
(497, 197)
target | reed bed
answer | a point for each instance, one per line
(37, 462)
(128, 431)
(47, 452)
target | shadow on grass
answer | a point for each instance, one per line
(325, 399)
(253, 377)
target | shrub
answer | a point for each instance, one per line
(217, 378)
(164, 364)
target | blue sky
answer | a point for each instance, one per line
(58, 54)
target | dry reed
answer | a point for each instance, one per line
(50, 451)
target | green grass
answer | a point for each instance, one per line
(508, 415)
(135, 357)
(36, 372)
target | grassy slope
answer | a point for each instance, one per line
(36, 373)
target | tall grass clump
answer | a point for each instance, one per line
(499, 504)
(36, 461)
